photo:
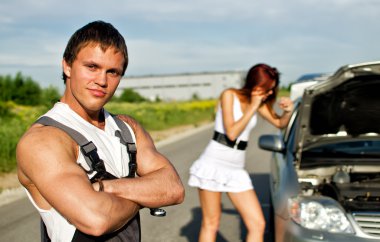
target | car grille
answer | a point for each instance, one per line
(368, 222)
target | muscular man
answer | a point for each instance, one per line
(52, 168)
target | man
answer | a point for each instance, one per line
(53, 169)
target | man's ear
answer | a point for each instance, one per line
(66, 68)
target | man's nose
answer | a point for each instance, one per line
(101, 79)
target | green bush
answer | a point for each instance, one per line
(23, 90)
(6, 86)
(130, 96)
(20, 89)
(5, 109)
(12, 127)
(50, 96)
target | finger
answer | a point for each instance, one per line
(257, 92)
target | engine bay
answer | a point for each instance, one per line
(356, 188)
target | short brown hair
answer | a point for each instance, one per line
(98, 32)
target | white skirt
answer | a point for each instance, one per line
(220, 169)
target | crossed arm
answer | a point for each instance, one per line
(47, 169)
(157, 184)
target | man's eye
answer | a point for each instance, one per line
(91, 67)
(114, 73)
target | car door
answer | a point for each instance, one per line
(283, 176)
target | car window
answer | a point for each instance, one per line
(292, 134)
(287, 132)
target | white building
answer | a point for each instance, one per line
(185, 86)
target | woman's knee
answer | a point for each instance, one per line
(257, 224)
(211, 223)
(261, 223)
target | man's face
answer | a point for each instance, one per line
(93, 77)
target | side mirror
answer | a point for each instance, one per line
(271, 142)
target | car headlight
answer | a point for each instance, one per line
(319, 214)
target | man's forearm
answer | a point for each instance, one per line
(159, 188)
(123, 214)
(107, 215)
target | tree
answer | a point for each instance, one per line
(5, 88)
(129, 95)
(50, 95)
(26, 91)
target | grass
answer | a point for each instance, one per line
(153, 116)
(160, 116)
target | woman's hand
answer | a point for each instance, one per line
(286, 104)
(257, 97)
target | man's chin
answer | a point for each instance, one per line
(95, 107)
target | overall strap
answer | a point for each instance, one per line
(87, 147)
(127, 140)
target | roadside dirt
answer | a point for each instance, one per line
(10, 181)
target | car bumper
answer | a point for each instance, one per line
(296, 233)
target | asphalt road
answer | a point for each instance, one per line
(19, 221)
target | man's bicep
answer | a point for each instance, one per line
(49, 164)
(151, 161)
(148, 158)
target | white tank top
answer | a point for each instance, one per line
(238, 113)
(109, 148)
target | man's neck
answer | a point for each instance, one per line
(96, 118)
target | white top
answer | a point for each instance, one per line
(237, 113)
(110, 150)
(221, 168)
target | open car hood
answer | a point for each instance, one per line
(343, 107)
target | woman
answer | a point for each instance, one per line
(221, 166)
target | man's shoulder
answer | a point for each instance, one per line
(140, 133)
(129, 120)
(40, 136)
(44, 147)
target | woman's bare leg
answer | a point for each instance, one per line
(248, 205)
(211, 212)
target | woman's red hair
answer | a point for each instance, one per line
(262, 75)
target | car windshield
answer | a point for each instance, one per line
(362, 148)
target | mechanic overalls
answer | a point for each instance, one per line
(131, 232)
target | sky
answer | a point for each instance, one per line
(172, 37)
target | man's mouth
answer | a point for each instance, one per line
(97, 92)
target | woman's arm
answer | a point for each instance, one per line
(234, 128)
(270, 115)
